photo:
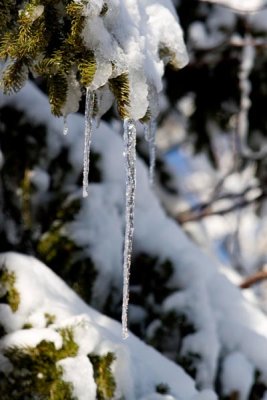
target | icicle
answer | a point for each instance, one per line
(130, 158)
(150, 136)
(97, 116)
(65, 126)
(87, 138)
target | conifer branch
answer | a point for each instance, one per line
(121, 89)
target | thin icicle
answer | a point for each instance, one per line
(150, 136)
(65, 126)
(130, 158)
(87, 138)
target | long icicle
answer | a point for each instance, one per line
(89, 102)
(130, 164)
(65, 126)
(150, 136)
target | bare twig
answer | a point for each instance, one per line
(247, 41)
(253, 279)
(224, 196)
(206, 210)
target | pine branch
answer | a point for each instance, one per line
(15, 76)
(87, 68)
(57, 92)
(121, 90)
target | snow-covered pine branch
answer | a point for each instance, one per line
(114, 49)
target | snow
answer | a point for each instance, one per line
(105, 222)
(196, 181)
(30, 337)
(138, 368)
(226, 321)
(40, 179)
(237, 375)
(82, 378)
(129, 36)
(241, 5)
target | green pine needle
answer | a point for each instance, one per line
(121, 90)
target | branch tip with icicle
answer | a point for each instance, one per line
(88, 130)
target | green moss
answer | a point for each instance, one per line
(35, 373)
(69, 209)
(69, 347)
(47, 42)
(50, 319)
(26, 208)
(51, 241)
(27, 326)
(120, 87)
(146, 118)
(104, 378)
(63, 256)
(87, 69)
(54, 245)
(10, 294)
(169, 57)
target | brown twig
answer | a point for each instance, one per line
(253, 279)
(206, 210)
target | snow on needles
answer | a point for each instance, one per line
(130, 36)
(137, 368)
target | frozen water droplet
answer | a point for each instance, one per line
(65, 126)
(150, 136)
(130, 164)
(89, 102)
